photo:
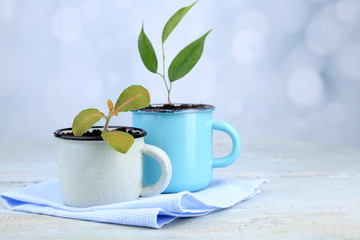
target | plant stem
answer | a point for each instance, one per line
(163, 77)
(163, 52)
(107, 122)
(168, 88)
(169, 93)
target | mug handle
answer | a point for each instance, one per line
(163, 159)
(236, 149)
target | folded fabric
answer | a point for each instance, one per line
(45, 198)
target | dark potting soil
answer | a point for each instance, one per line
(175, 107)
(97, 133)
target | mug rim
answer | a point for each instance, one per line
(206, 108)
(139, 133)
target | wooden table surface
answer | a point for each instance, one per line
(313, 193)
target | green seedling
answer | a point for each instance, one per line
(182, 63)
(132, 98)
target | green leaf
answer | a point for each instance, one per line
(132, 98)
(147, 52)
(120, 141)
(174, 21)
(186, 59)
(85, 120)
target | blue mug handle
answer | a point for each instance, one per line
(235, 137)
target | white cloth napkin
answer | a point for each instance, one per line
(45, 198)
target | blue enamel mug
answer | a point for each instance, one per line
(186, 136)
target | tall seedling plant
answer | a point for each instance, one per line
(185, 60)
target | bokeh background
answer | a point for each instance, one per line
(279, 69)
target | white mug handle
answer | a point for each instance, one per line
(166, 171)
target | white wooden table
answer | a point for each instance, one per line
(313, 193)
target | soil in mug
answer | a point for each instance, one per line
(97, 133)
(175, 107)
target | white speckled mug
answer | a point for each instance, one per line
(91, 173)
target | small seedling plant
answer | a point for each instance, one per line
(132, 98)
(182, 63)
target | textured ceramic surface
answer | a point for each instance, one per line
(92, 173)
(186, 136)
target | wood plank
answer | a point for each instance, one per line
(264, 223)
(312, 194)
(281, 209)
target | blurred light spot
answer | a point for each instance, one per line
(253, 20)
(335, 113)
(349, 60)
(66, 24)
(348, 10)
(248, 46)
(305, 87)
(7, 9)
(322, 35)
(289, 15)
